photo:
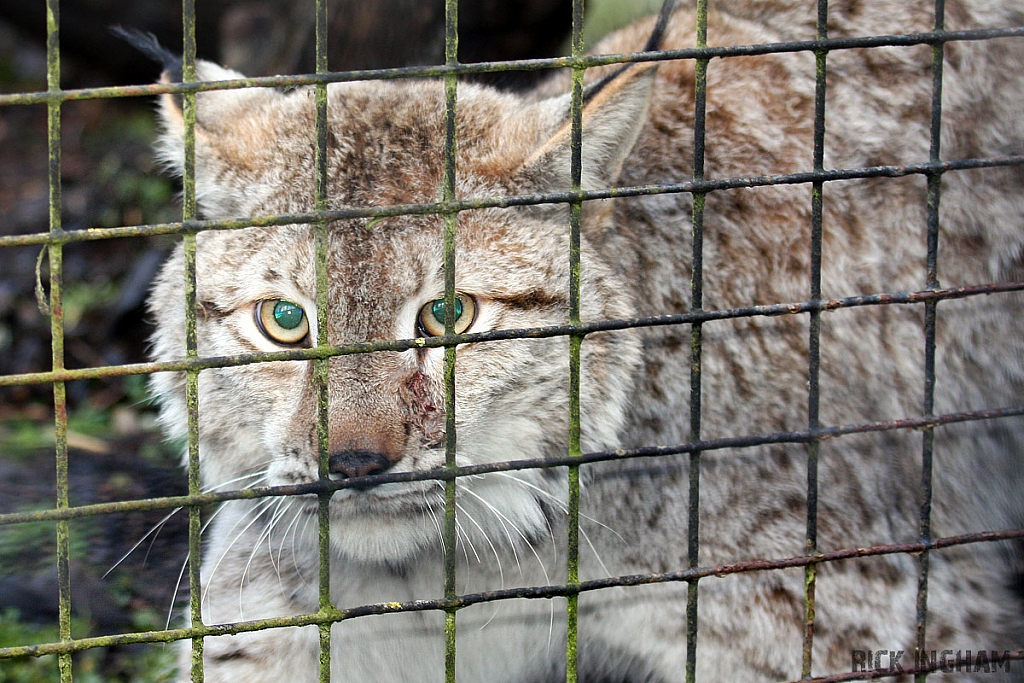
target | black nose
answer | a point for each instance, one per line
(350, 464)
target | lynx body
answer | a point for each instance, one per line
(254, 156)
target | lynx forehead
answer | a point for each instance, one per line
(256, 290)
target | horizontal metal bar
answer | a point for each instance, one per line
(710, 445)
(438, 208)
(588, 61)
(535, 592)
(692, 317)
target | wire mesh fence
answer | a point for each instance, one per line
(448, 208)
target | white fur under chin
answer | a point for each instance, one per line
(496, 514)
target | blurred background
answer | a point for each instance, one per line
(109, 179)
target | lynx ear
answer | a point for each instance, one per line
(216, 111)
(613, 117)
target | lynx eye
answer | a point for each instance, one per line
(282, 321)
(431, 320)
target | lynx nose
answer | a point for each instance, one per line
(358, 463)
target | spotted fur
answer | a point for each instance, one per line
(255, 151)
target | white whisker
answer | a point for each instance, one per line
(254, 514)
(156, 528)
(303, 533)
(467, 540)
(153, 531)
(296, 514)
(502, 518)
(280, 510)
(184, 566)
(264, 536)
(433, 518)
(461, 537)
(483, 534)
(565, 508)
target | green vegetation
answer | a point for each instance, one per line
(138, 664)
(604, 16)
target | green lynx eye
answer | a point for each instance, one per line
(282, 321)
(431, 320)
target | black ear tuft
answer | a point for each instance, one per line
(654, 42)
(147, 44)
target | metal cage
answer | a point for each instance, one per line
(928, 297)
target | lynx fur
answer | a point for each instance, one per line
(257, 423)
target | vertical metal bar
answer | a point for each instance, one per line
(697, 303)
(56, 263)
(575, 347)
(814, 340)
(451, 54)
(931, 282)
(188, 74)
(321, 366)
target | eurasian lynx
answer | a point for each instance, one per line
(256, 292)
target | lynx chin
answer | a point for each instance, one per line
(258, 423)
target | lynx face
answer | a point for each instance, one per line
(257, 292)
